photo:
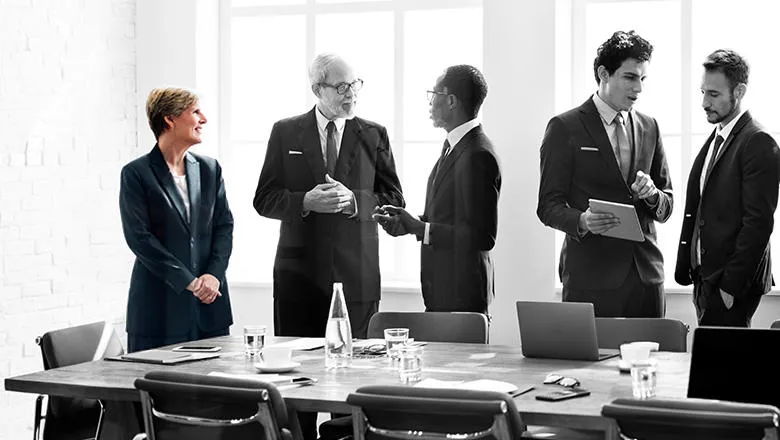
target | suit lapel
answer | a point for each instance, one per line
(726, 144)
(164, 177)
(348, 150)
(193, 188)
(309, 142)
(591, 119)
(449, 161)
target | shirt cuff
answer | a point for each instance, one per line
(427, 235)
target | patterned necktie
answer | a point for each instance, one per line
(715, 149)
(331, 154)
(623, 147)
(444, 149)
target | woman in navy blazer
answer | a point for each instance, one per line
(177, 222)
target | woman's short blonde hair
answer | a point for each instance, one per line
(167, 101)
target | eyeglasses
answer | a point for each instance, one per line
(563, 381)
(432, 94)
(341, 88)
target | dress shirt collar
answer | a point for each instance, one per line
(606, 112)
(322, 122)
(725, 130)
(457, 133)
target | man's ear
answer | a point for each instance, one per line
(452, 101)
(315, 88)
(603, 74)
(740, 90)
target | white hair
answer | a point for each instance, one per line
(320, 65)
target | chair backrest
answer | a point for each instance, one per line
(179, 405)
(433, 326)
(74, 345)
(775, 324)
(693, 419)
(381, 411)
(671, 334)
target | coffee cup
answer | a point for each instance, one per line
(276, 356)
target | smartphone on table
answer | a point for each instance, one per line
(558, 395)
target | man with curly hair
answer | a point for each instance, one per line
(604, 149)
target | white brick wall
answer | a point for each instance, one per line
(67, 125)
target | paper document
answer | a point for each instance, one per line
(479, 385)
(629, 227)
(257, 377)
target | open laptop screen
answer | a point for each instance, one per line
(736, 364)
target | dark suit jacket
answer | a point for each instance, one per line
(736, 212)
(171, 252)
(316, 249)
(461, 206)
(578, 163)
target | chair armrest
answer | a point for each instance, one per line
(140, 436)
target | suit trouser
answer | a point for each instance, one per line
(710, 309)
(631, 300)
(308, 318)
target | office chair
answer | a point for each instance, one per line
(398, 412)
(775, 324)
(433, 326)
(692, 419)
(179, 405)
(671, 334)
(74, 418)
(423, 326)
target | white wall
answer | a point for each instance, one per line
(67, 124)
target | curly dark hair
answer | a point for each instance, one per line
(468, 84)
(731, 64)
(620, 47)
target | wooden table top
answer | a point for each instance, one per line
(111, 380)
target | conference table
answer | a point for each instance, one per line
(113, 381)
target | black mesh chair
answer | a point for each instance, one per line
(671, 334)
(190, 406)
(433, 326)
(73, 418)
(692, 419)
(398, 412)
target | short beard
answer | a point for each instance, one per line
(732, 109)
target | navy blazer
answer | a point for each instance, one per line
(171, 251)
(461, 205)
(315, 249)
(578, 163)
(735, 211)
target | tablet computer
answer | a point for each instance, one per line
(629, 227)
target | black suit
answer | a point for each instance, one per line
(172, 251)
(317, 249)
(578, 163)
(461, 207)
(735, 211)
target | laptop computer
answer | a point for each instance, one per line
(736, 364)
(560, 330)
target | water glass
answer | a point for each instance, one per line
(254, 339)
(643, 378)
(395, 338)
(410, 366)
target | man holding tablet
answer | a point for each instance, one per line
(607, 151)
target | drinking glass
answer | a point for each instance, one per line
(254, 339)
(643, 378)
(410, 366)
(394, 339)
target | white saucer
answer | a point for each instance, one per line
(277, 368)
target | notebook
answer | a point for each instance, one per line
(560, 330)
(163, 357)
(736, 364)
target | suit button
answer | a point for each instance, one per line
(701, 223)
(703, 252)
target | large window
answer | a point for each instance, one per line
(398, 47)
(683, 33)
